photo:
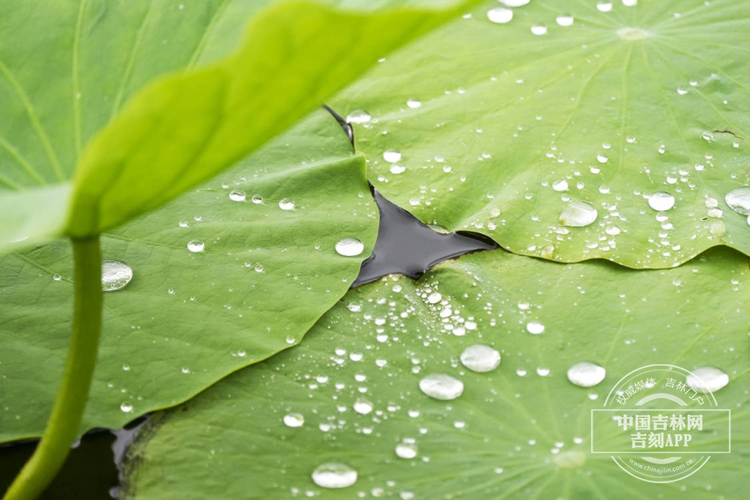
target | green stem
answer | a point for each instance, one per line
(65, 420)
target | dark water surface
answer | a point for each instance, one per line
(404, 246)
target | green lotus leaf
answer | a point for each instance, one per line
(222, 277)
(500, 121)
(350, 393)
(138, 101)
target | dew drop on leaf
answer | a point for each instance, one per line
(578, 214)
(358, 116)
(334, 475)
(661, 201)
(413, 103)
(565, 20)
(391, 156)
(441, 386)
(604, 6)
(407, 450)
(500, 15)
(126, 407)
(739, 200)
(362, 406)
(535, 327)
(286, 204)
(195, 246)
(538, 30)
(237, 195)
(349, 247)
(514, 3)
(480, 358)
(294, 420)
(586, 374)
(707, 379)
(115, 275)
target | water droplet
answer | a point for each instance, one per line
(441, 386)
(391, 156)
(434, 298)
(397, 169)
(570, 459)
(334, 475)
(500, 15)
(739, 200)
(349, 247)
(542, 371)
(115, 275)
(561, 185)
(237, 195)
(358, 116)
(578, 214)
(514, 3)
(195, 246)
(406, 450)
(56, 277)
(126, 407)
(294, 420)
(257, 199)
(480, 358)
(661, 201)
(586, 374)
(362, 406)
(604, 6)
(413, 103)
(539, 30)
(565, 20)
(286, 204)
(707, 379)
(535, 327)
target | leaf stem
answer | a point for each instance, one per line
(65, 419)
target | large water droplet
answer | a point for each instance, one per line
(565, 20)
(578, 214)
(286, 204)
(237, 195)
(195, 246)
(362, 406)
(604, 6)
(661, 201)
(514, 3)
(406, 450)
(441, 386)
(500, 15)
(294, 420)
(586, 374)
(480, 358)
(334, 475)
(739, 200)
(358, 116)
(707, 379)
(413, 103)
(349, 247)
(535, 327)
(391, 156)
(115, 275)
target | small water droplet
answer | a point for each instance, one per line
(391, 156)
(56, 277)
(535, 327)
(126, 407)
(578, 214)
(739, 200)
(661, 201)
(358, 116)
(561, 185)
(413, 103)
(586, 374)
(707, 379)
(514, 3)
(195, 246)
(115, 275)
(397, 169)
(294, 420)
(500, 15)
(434, 298)
(334, 475)
(349, 247)
(257, 199)
(565, 20)
(286, 204)
(237, 195)
(441, 386)
(538, 30)
(604, 6)
(406, 450)
(362, 406)
(480, 358)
